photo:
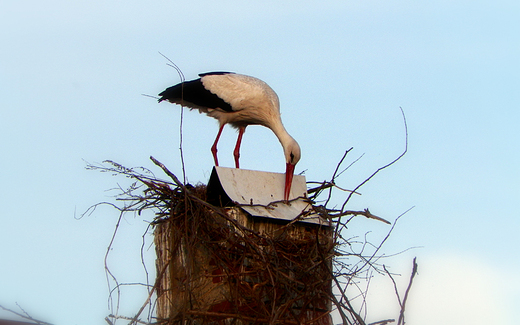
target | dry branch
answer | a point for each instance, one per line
(23, 314)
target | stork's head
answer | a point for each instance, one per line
(292, 152)
(292, 156)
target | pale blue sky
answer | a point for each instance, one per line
(71, 79)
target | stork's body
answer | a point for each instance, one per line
(240, 101)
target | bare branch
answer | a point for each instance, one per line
(383, 322)
(387, 165)
(405, 299)
(24, 315)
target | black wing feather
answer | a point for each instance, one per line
(194, 92)
(214, 73)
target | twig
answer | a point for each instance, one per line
(124, 318)
(169, 173)
(108, 273)
(386, 238)
(366, 213)
(157, 281)
(383, 322)
(24, 315)
(325, 185)
(395, 286)
(403, 305)
(385, 166)
(182, 78)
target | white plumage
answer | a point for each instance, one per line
(240, 101)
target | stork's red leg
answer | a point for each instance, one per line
(214, 146)
(236, 153)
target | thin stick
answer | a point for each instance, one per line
(108, 273)
(383, 322)
(395, 286)
(24, 315)
(385, 166)
(412, 276)
(157, 281)
(169, 173)
(182, 78)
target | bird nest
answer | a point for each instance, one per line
(218, 265)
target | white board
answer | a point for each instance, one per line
(261, 194)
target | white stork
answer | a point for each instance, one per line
(240, 101)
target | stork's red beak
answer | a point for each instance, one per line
(289, 172)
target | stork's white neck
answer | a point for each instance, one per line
(281, 133)
(291, 148)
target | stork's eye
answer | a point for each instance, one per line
(292, 157)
